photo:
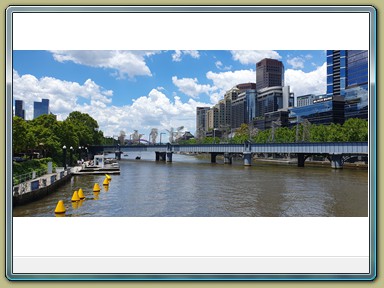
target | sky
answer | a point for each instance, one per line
(141, 90)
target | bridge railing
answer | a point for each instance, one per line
(310, 148)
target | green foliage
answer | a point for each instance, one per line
(21, 168)
(356, 130)
(85, 128)
(47, 135)
(23, 139)
(353, 130)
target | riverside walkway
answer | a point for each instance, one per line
(41, 186)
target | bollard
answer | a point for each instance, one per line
(81, 194)
(75, 197)
(96, 187)
(60, 209)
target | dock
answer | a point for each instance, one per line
(98, 166)
(94, 170)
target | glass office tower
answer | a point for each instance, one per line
(19, 109)
(347, 76)
(40, 108)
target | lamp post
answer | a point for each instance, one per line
(86, 153)
(160, 136)
(79, 153)
(65, 157)
(70, 155)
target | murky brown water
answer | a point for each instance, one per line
(194, 187)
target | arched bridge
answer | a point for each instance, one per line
(335, 151)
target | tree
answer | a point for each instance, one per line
(355, 130)
(86, 128)
(22, 138)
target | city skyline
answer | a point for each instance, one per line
(140, 90)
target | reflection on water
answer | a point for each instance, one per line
(194, 187)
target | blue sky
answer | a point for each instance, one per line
(140, 90)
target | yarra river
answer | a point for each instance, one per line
(193, 187)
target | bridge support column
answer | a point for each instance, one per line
(169, 156)
(160, 156)
(118, 155)
(300, 159)
(337, 161)
(247, 158)
(227, 158)
(213, 157)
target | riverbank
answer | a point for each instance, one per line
(40, 187)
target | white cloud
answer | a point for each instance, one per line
(253, 56)
(176, 57)
(296, 62)
(302, 83)
(218, 64)
(63, 95)
(190, 87)
(226, 80)
(155, 110)
(125, 63)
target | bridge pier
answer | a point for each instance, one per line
(247, 158)
(337, 161)
(300, 159)
(118, 155)
(227, 158)
(169, 156)
(213, 157)
(160, 156)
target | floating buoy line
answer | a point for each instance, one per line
(78, 197)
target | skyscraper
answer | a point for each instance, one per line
(19, 109)
(40, 108)
(347, 76)
(269, 73)
(201, 113)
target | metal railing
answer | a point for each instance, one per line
(18, 179)
(37, 180)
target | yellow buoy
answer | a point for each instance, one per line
(106, 182)
(75, 205)
(108, 177)
(96, 195)
(96, 187)
(75, 197)
(81, 194)
(60, 209)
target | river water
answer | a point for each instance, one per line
(193, 187)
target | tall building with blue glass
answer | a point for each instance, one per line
(19, 109)
(40, 108)
(347, 76)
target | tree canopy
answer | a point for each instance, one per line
(47, 135)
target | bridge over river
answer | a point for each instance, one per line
(336, 152)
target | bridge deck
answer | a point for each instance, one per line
(307, 148)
